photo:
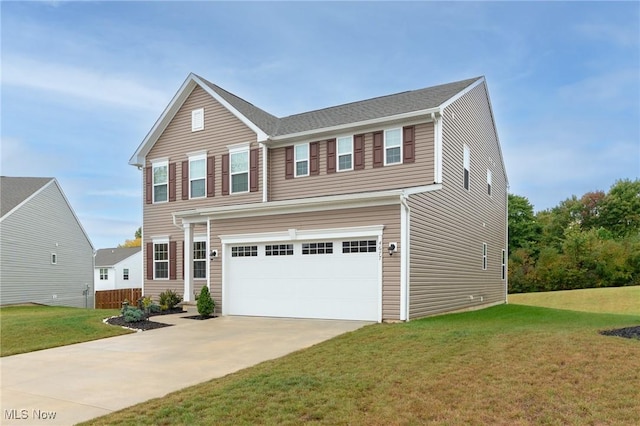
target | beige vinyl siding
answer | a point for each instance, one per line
(370, 179)
(45, 224)
(448, 227)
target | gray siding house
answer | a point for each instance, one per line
(386, 209)
(46, 256)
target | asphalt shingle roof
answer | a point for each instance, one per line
(384, 106)
(14, 190)
(111, 256)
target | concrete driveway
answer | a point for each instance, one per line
(70, 384)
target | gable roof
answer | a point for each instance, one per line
(111, 256)
(269, 127)
(16, 190)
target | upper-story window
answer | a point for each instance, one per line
(239, 160)
(345, 153)
(104, 274)
(489, 178)
(160, 181)
(197, 119)
(393, 146)
(466, 163)
(125, 274)
(197, 176)
(301, 160)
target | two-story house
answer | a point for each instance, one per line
(390, 208)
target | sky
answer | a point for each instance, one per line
(82, 83)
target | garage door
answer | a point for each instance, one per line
(335, 279)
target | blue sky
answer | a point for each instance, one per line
(83, 82)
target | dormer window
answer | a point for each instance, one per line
(197, 119)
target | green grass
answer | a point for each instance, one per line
(614, 300)
(31, 328)
(506, 365)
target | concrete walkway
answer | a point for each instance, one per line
(70, 384)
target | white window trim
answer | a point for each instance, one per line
(485, 260)
(489, 183)
(503, 271)
(54, 258)
(161, 241)
(295, 159)
(197, 120)
(105, 275)
(128, 274)
(350, 153)
(384, 145)
(196, 157)
(238, 149)
(155, 164)
(201, 239)
(466, 165)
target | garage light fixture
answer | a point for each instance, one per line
(213, 254)
(393, 248)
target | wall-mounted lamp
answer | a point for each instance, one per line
(213, 254)
(393, 248)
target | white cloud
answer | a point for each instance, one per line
(76, 82)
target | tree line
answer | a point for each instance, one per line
(586, 242)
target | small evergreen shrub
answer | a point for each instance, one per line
(206, 305)
(155, 308)
(132, 314)
(170, 299)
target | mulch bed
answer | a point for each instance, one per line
(628, 332)
(146, 324)
(200, 317)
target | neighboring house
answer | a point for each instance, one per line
(46, 256)
(117, 268)
(391, 208)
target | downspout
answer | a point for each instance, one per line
(405, 215)
(506, 248)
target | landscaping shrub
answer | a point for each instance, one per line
(206, 304)
(132, 314)
(170, 299)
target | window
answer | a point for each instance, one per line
(197, 176)
(160, 182)
(279, 250)
(393, 146)
(302, 160)
(160, 261)
(317, 248)
(244, 251)
(54, 259)
(125, 274)
(200, 259)
(197, 119)
(345, 153)
(104, 274)
(504, 264)
(367, 246)
(489, 182)
(239, 171)
(466, 164)
(484, 256)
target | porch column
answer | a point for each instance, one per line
(188, 263)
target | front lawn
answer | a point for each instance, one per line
(31, 328)
(507, 365)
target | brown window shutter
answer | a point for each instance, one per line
(358, 152)
(314, 158)
(331, 156)
(149, 261)
(185, 180)
(378, 150)
(225, 174)
(288, 162)
(148, 184)
(172, 260)
(409, 144)
(253, 169)
(211, 173)
(172, 181)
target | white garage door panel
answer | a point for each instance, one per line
(336, 286)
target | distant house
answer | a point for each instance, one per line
(117, 268)
(46, 256)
